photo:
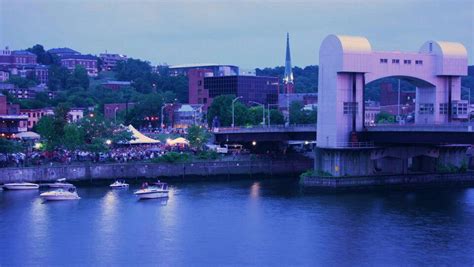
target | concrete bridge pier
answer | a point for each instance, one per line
(343, 162)
(389, 160)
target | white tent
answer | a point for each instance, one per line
(177, 141)
(139, 138)
(28, 135)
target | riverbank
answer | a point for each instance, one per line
(171, 171)
(386, 181)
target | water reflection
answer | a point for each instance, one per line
(255, 190)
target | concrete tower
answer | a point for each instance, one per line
(288, 78)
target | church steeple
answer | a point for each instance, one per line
(288, 77)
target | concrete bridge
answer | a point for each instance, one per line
(274, 133)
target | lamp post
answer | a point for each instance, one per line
(233, 102)
(263, 110)
(268, 113)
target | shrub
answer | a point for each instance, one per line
(172, 157)
(209, 154)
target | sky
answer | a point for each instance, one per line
(249, 34)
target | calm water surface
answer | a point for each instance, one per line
(261, 223)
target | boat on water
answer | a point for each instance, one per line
(156, 190)
(21, 186)
(61, 183)
(119, 184)
(60, 194)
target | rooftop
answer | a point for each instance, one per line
(199, 65)
(90, 57)
(62, 50)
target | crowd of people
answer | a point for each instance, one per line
(117, 154)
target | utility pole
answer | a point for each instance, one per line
(233, 102)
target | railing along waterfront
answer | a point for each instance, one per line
(433, 127)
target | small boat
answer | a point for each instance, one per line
(119, 184)
(61, 194)
(21, 186)
(61, 183)
(157, 190)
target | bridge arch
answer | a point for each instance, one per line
(347, 63)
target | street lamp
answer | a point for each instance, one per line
(263, 110)
(233, 102)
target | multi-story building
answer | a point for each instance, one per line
(10, 124)
(197, 93)
(89, 62)
(372, 109)
(75, 114)
(16, 58)
(389, 100)
(260, 89)
(216, 69)
(4, 75)
(34, 115)
(63, 51)
(109, 61)
(285, 100)
(186, 115)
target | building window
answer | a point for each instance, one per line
(383, 60)
(426, 108)
(443, 108)
(419, 62)
(350, 107)
(396, 61)
(199, 82)
(407, 61)
(460, 108)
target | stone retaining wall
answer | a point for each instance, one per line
(89, 171)
(387, 180)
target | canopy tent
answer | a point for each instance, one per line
(139, 138)
(177, 141)
(28, 136)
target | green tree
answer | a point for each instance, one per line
(197, 136)
(58, 77)
(73, 137)
(384, 117)
(45, 128)
(21, 82)
(42, 56)
(9, 146)
(78, 78)
(298, 115)
(276, 117)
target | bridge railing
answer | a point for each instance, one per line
(264, 128)
(449, 127)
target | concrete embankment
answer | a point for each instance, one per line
(201, 170)
(387, 181)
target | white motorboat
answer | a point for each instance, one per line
(157, 190)
(61, 194)
(61, 183)
(119, 184)
(21, 186)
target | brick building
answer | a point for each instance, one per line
(87, 61)
(203, 87)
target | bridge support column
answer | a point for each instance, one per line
(343, 162)
(452, 158)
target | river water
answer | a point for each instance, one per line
(260, 223)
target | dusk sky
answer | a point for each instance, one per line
(244, 33)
